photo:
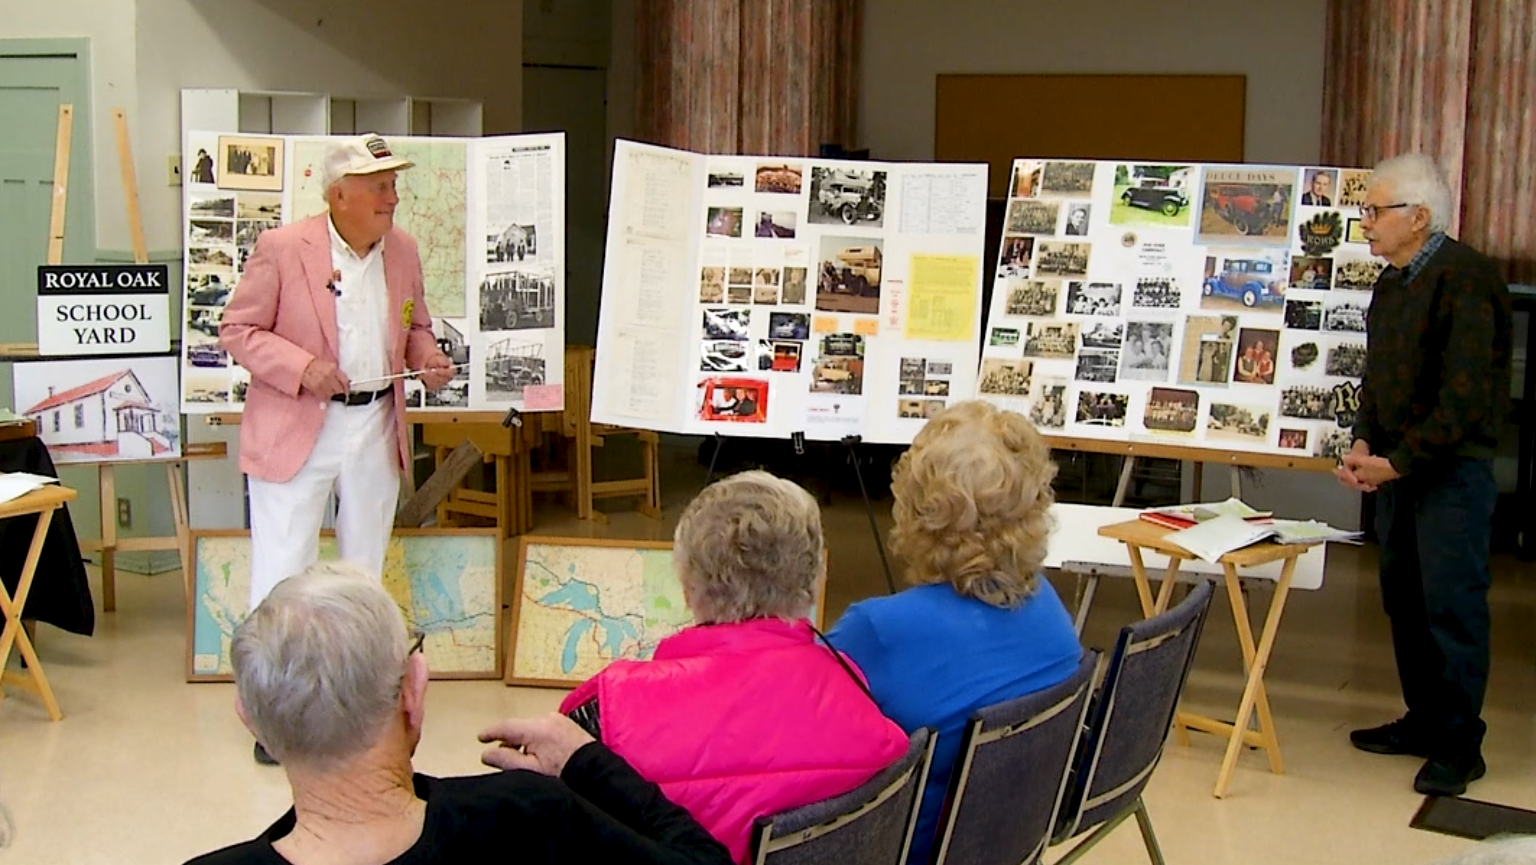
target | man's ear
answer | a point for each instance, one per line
(413, 690)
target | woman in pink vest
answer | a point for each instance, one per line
(745, 713)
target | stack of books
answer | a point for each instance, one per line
(1210, 531)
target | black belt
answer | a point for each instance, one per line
(357, 398)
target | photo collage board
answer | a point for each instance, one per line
(488, 218)
(1218, 306)
(770, 296)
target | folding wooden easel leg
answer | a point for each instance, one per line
(174, 475)
(15, 635)
(1255, 659)
(107, 483)
(650, 445)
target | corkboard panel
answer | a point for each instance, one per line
(997, 118)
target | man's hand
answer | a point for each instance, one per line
(1346, 470)
(324, 379)
(538, 744)
(1371, 471)
(436, 372)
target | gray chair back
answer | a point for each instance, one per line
(1011, 773)
(869, 825)
(1131, 715)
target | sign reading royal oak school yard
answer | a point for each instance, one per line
(87, 309)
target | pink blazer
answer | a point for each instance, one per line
(282, 316)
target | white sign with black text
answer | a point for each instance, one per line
(103, 309)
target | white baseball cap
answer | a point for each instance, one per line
(368, 153)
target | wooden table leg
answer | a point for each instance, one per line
(107, 483)
(1255, 659)
(15, 635)
(1139, 572)
(174, 479)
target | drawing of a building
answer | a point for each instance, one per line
(111, 416)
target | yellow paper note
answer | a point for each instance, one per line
(942, 297)
(824, 324)
(866, 326)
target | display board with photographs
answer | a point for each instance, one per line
(1219, 306)
(765, 296)
(488, 218)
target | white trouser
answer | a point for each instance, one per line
(356, 456)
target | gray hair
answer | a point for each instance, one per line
(1416, 179)
(1499, 850)
(319, 663)
(750, 546)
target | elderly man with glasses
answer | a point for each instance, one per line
(329, 680)
(1434, 396)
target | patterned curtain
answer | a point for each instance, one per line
(748, 76)
(1451, 78)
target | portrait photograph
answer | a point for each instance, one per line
(250, 162)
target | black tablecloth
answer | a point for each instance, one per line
(61, 595)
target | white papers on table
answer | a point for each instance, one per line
(17, 484)
(1214, 538)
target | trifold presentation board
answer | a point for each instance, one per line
(488, 217)
(769, 296)
(1218, 306)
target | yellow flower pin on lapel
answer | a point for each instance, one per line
(406, 312)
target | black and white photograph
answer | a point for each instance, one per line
(739, 275)
(787, 325)
(211, 256)
(201, 232)
(1147, 350)
(793, 290)
(739, 294)
(1005, 377)
(1103, 334)
(1093, 298)
(778, 224)
(210, 288)
(1304, 314)
(722, 178)
(734, 324)
(517, 300)
(913, 367)
(1244, 423)
(1357, 274)
(1066, 178)
(510, 367)
(1172, 410)
(246, 231)
(940, 367)
(1050, 340)
(1102, 409)
(451, 342)
(765, 287)
(1062, 258)
(1098, 365)
(1344, 317)
(1156, 292)
(1031, 216)
(910, 386)
(712, 285)
(847, 197)
(1015, 253)
(1306, 402)
(724, 355)
(1077, 220)
(849, 275)
(1346, 359)
(215, 206)
(1304, 355)
(259, 205)
(1335, 443)
(248, 162)
(1048, 407)
(1206, 355)
(1032, 297)
(511, 243)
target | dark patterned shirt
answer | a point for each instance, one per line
(1437, 362)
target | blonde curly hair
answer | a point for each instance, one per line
(973, 498)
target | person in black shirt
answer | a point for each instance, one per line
(1434, 395)
(329, 682)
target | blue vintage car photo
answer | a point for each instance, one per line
(1251, 281)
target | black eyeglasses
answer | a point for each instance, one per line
(1373, 211)
(419, 638)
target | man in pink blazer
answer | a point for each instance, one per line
(327, 315)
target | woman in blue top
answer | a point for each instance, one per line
(981, 626)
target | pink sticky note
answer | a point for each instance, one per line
(544, 397)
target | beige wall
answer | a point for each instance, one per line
(1277, 45)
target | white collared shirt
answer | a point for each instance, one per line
(362, 309)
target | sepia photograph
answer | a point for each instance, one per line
(250, 162)
(1102, 409)
(1352, 183)
(847, 197)
(247, 231)
(1048, 407)
(740, 294)
(840, 369)
(1093, 298)
(1063, 258)
(1050, 340)
(794, 286)
(1304, 314)
(213, 256)
(216, 206)
(1248, 424)
(1256, 356)
(1077, 220)
(1206, 355)
(204, 232)
(259, 205)
(781, 177)
(1098, 365)
(519, 300)
(1103, 334)
(1156, 292)
(1152, 195)
(510, 367)
(1246, 206)
(1033, 297)
(1067, 178)
(712, 285)
(723, 222)
(1172, 410)
(1346, 359)
(918, 408)
(1145, 356)
(1005, 377)
(740, 275)
(848, 279)
(778, 224)
(1031, 216)
(1357, 274)
(765, 288)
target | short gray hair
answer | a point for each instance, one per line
(750, 546)
(319, 663)
(1499, 850)
(1416, 179)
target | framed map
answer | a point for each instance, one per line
(446, 581)
(579, 604)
